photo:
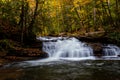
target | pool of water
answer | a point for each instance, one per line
(62, 70)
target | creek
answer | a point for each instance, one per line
(69, 59)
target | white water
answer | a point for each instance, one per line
(60, 49)
(64, 48)
(111, 51)
(68, 49)
(51, 38)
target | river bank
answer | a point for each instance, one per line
(13, 51)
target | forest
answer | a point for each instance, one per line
(26, 19)
(21, 21)
(59, 39)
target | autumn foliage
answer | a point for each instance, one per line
(29, 18)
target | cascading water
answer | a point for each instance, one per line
(111, 51)
(67, 48)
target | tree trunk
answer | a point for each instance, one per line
(31, 36)
(117, 13)
(33, 18)
(21, 22)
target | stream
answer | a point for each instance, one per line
(69, 59)
(63, 70)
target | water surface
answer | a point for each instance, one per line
(63, 70)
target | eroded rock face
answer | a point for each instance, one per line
(27, 52)
(22, 54)
(97, 43)
(97, 48)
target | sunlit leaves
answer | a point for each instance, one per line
(82, 2)
(31, 3)
(64, 15)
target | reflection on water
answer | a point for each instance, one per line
(64, 70)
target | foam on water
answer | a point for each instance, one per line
(69, 49)
(111, 51)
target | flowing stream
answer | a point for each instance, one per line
(69, 49)
(73, 49)
(69, 59)
(64, 70)
(111, 51)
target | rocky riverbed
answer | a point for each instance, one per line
(11, 51)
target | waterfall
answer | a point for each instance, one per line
(111, 51)
(67, 48)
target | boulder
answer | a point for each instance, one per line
(97, 48)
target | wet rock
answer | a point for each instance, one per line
(97, 48)
(22, 54)
(103, 40)
(3, 61)
(27, 52)
(96, 43)
(118, 55)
